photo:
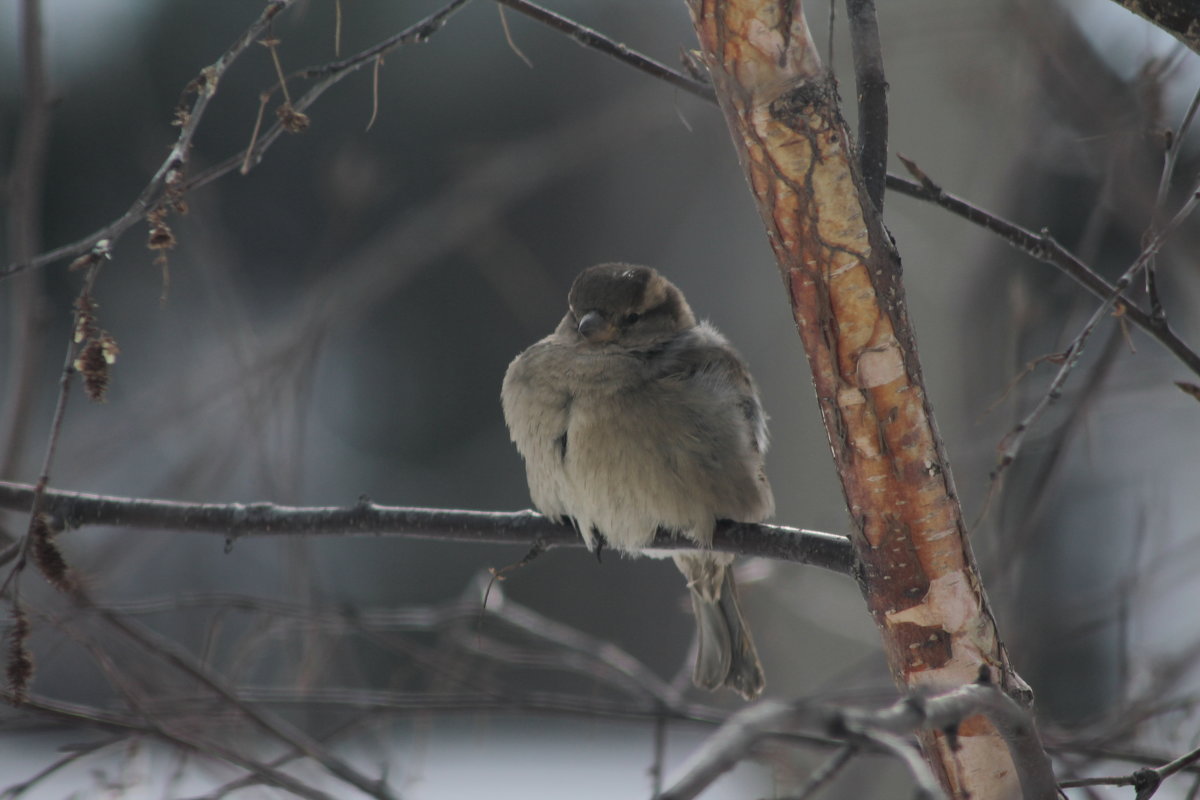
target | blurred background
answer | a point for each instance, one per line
(338, 320)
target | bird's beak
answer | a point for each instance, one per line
(595, 328)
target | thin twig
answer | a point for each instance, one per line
(827, 771)
(1043, 488)
(326, 76)
(1043, 247)
(24, 199)
(263, 99)
(123, 683)
(204, 86)
(660, 755)
(871, 85)
(1010, 445)
(832, 28)
(173, 654)
(512, 45)
(272, 44)
(909, 755)
(337, 28)
(15, 790)
(619, 667)
(597, 41)
(374, 94)
(1174, 144)
(253, 777)
(555, 647)
(38, 492)
(419, 32)
(1046, 249)
(74, 713)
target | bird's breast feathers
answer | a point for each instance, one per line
(625, 442)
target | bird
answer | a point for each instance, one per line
(632, 417)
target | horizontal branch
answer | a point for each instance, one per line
(238, 520)
(1044, 248)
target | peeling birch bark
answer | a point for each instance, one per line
(843, 277)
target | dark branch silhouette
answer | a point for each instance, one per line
(1043, 247)
(237, 520)
(597, 41)
(871, 84)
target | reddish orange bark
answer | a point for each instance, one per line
(843, 277)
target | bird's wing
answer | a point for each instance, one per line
(703, 360)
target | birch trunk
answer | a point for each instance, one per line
(843, 279)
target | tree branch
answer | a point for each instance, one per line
(1010, 445)
(162, 647)
(171, 173)
(872, 87)
(843, 280)
(595, 40)
(237, 520)
(880, 730)
(1043, 247)
(25, 191)
(1146, 781)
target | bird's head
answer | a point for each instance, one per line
(626, 304)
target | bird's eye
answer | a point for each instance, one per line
(632, 318)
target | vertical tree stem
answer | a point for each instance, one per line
(843, 279)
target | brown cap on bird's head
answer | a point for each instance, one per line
(609, 300)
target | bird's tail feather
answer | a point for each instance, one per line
(726, 655)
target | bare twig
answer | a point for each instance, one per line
(235, 520)
(732, 743)
(374, 92)
(827, 771)
(1041, 247)
(1044, 248)
(660, 754)
(173, 654)
(512, 45)
(736, 739)
(872, 96)
(75, 713)
(124, 684)
(881, 729)
(1010, 445)
(622, 670)
(204, 86)
(15, 790)
(37, 494)
(640, 697)
(1043, 487)
(255, 777)
(24, 200)
(555, 646)
(1146, 781)
(610, 47)
(1174, 143)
